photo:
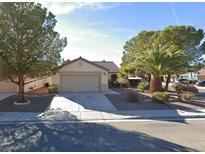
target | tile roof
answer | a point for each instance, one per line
(111, 66)
(80, 58)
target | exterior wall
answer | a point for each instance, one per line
(37, 84)
(110, 74)
(11, 87)
(7, 87)
(81, 66)
(201, 77)
(56, 80)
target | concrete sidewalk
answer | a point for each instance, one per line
(86, 116)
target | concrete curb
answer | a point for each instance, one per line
(89, 116)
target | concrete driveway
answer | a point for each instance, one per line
(79, 102)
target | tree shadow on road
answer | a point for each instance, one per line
(78, 137)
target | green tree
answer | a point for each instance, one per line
(186, 38)
(29, 47)
(158, 60)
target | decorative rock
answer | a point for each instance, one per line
(22, 103)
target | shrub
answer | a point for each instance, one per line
(161, 97)
(180, 88)
(52, 90)
(142, 86)
(123, 82)
(132, 96)
(187, 95)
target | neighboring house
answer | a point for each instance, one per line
(188, 75)
(6, 86)
(75, 76)
(201, 74)
(81, 75)
(113, 69)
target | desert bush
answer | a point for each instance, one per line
(52, 90)
(123, 82)
(161, 97)
(187, 95)
(142, 86)
(132, 96)
(180, 88)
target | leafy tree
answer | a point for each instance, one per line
(188, 39)
(158, 60)
(29, 47)
(185, 38)
(134, 45)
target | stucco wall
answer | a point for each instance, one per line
(81, 66)
(201, 77)
(37, 83)
(7, 87)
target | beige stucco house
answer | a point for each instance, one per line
(79, 75)
(113, 69)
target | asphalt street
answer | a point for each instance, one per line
(115, 136)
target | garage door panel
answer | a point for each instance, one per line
(79, 83)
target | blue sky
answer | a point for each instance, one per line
(98, 31)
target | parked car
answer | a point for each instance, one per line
(183, 81)
(187, 81)
(201, 83)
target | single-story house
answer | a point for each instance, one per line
(75, 76)
(83, 75)
(113, 69)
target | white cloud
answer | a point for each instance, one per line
(86, 39)
(58, 8)
(91, 44)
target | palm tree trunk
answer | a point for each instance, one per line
(155, 83)
(21, 97)
(167, 82)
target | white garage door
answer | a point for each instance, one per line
(7, 87)
(79, 83)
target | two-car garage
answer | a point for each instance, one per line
(81, 75)
(80, 82)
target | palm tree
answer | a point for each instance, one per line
(161, 60)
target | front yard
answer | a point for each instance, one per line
(40, 101)
(38, 104)
(120, 102)
(145, 102)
